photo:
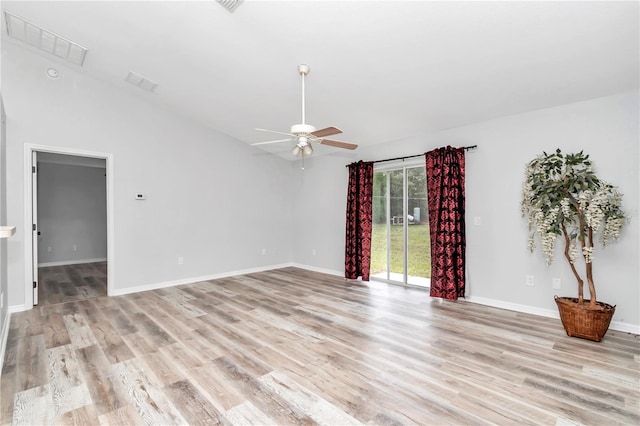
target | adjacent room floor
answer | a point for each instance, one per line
(296, 347)
(70, 283)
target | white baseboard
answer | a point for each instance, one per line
(4, 334)
(549, 313)
(191, 280)
(625, 327)
(316, 269)
(71, 262)
(18, 308)
(525, 309)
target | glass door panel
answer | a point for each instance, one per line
(397, 221)
(379, 246)
(400, 249)
(418, 242)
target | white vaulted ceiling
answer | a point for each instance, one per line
(380, 70)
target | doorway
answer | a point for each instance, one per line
(71, 248)
(400, 246)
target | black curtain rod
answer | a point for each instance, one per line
(467, 148)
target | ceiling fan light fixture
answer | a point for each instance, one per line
(296, 151)
(307, 150)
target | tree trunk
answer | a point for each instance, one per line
(567, 244)
(592, 286)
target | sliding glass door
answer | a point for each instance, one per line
(400, 249)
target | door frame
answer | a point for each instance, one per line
(28, 211)
(34, 232)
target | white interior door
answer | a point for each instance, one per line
(34, 222)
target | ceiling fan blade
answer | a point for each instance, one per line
(328, 131)
(274, 131)
(338, 144)
(268, 142)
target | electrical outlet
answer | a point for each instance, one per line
(181, 260)
(556, 283)
(75, 247)
(530, 282)
(49, 249)
(264, 251)
(313, 252)
(477, 220)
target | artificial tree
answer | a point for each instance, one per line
(563, 197)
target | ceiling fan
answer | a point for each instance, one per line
(303, 134)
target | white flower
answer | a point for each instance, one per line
(573, 252)
(612, 229)
(548, 243)
(587, 252)
(566, 207)
(583, 199)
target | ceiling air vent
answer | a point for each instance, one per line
(230, 5)
(45, 40)
(140, 81)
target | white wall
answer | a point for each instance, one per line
(72, 214)
(320, 212)
(210, 199)
(497, 255)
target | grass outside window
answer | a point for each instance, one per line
(419, 256)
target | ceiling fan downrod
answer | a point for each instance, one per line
(303, 70)
(303, 128)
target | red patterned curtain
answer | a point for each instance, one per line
(357, 252)
(445, 194)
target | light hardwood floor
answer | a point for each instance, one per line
(297, 347)
(67, 283)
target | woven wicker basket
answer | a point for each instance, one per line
(581, 321)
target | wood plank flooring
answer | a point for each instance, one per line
(67, 283)
(290, 347)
